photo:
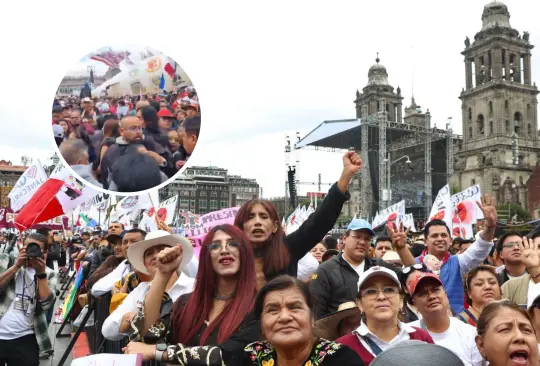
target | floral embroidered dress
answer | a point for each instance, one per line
(192, 352)
(324, 353)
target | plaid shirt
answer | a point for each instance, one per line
(7, 294)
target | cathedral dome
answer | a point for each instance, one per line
(495, 14)
(377, 74)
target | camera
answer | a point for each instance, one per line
(33, 250)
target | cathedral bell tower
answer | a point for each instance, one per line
(499, 110)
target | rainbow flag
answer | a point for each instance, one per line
(72, 295)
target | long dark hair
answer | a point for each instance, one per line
(189, 320)
(276, 256)
(151, 119)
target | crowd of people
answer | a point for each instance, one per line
(401, 298)
(127, 144)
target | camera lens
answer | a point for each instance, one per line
(33, 250)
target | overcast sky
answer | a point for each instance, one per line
(261, 70)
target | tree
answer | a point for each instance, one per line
(514, 209)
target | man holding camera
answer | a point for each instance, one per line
(27, 291)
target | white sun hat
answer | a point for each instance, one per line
(135, 253)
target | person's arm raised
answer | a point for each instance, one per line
(168, 261)
(399, 242)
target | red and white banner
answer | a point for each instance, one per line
(165, 212)
(442, 206)
(7, 221)
(26, 186)
(61, 193)
(392, 214)
(465, 211)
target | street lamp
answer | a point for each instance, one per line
(389, 164)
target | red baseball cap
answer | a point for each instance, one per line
(165, 113)
(413, 285)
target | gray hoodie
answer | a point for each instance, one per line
(85, 172)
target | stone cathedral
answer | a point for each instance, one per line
(499, 110)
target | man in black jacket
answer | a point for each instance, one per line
(336, 280)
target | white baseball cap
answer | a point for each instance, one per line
(378, 271)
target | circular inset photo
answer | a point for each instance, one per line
(126, 118)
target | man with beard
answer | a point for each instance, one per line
(131, 140)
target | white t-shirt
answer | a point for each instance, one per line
(359, 268)
(458, 338)
(18, 321)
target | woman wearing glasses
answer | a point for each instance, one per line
(380, 299)
(481, 288)
(213, 323)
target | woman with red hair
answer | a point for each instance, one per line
(277, 253)
(215, 321)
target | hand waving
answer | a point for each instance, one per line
(169, 259)
(529, 254)
(487, 205)
(351, 163)
(399, 237)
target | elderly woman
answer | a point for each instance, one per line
(506, 335)
(284, 308)
(277, 253)
(481, 288)
(211, 325)
(143, 257)
(380, 299)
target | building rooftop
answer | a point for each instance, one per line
(7, 166)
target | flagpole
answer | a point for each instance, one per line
(154, 207)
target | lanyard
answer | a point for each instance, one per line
(374, 348)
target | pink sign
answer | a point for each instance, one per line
(197, 226)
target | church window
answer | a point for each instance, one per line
(470, 133)
(480, 124)
(528, 111)
(473, 182)
(517, 122)
(470, 114)
(529, 130)
(506, 107)
(507, 126)
(491, 127)
(491, 109)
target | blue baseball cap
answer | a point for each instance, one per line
(359, 224)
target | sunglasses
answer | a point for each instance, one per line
(417, 266)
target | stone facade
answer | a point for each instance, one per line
(499, 109)
(533, 187)
(206, 189)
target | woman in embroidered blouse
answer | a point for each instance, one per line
(284, 307)
(277, 253)
(380, 299)
(481, 288)
(211, 325)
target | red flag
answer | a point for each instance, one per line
(170, 68)
(42, 206)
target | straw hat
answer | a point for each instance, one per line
(135, 253)
(327, 327)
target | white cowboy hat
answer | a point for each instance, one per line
(135, 253)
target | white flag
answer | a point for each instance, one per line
(27, 185)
